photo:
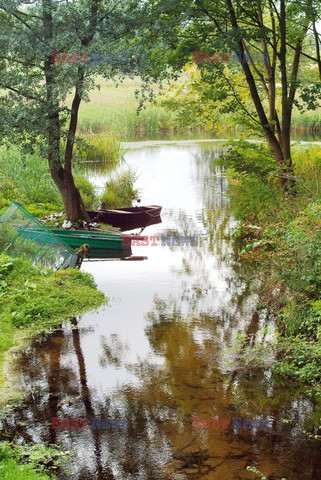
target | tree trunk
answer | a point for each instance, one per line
(62, 175)
(317, 46)
(74, 206)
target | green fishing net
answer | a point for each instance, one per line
(23, 235)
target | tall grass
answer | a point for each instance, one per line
(103, 148)
(307, 165)
(26, 179)
(119, 190)
(309, 121)
(114, 109)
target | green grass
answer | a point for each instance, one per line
(113, 110)
(282, 234)
(32, 301)
(309, 121)
(26, 179)
(29, 462)
(11, 469)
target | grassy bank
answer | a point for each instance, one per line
(25, 178)
(283, 234)
(29, 462)
(33, 300)
(309, 121)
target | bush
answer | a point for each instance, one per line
(299, 252)
(87, 192)
(251, 198)
(119, 191)
(251, 159)
(253, 186)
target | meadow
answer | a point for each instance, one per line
(112, 110)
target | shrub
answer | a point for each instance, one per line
(99, 148)
(119, 191)
(299, 252)
(250, 159)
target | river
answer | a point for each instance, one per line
(181, 338)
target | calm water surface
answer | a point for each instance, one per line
(173, 344)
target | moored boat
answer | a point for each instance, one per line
(104, 244)
(128, 218)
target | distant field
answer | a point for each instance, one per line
(309, 121)
(114, 109)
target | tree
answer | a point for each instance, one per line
(34, 82)
(277, 31)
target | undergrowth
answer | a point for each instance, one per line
(30, 462)
(282, 233)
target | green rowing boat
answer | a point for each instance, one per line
(95, 240)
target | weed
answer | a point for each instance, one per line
(119, 191)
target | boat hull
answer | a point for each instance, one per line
(128, 218)
(102, 244)
(96, 240)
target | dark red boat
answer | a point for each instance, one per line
(128, 218)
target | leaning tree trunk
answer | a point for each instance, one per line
(61, 173)
(73, 204)
(282, 151)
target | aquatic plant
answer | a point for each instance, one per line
(119, 190)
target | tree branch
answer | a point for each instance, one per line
(22, 94)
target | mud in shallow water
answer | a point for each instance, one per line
(173, 345)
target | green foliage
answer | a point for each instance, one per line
(251, 198)
(26, 179)
(257, 474)
(87, 191)
(250, 159)
(104, 148)
(285, 237)
(301, 359)
(307, 163)
(29, 462)
(32, 300)
(119, 191)
(299, 251)
(251, 171)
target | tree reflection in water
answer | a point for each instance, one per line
(206, 341)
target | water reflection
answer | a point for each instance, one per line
(171, 347)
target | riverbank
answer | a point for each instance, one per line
(33, 301)
(282, 234)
